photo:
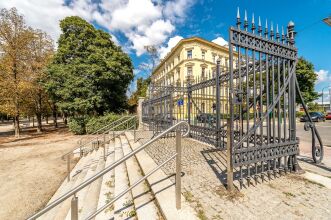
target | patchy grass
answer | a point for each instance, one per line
(229, 195)
(288, 194)
(197, 205)
(306, 181)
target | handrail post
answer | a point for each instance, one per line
(74, 208)
(178, 168)
(104, 147)
(134, 134)
(68, 167)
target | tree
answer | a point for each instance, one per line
(306, 79)
(14, 40)
(141, 91)
(89, 73)
(41, 51)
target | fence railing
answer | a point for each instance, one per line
(75, 190)
(130, 122)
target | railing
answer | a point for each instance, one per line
(101, 130)
(102, 136)
(75, 190)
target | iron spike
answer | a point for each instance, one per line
(253, 24)
(238, 19)
(271, 31)
(277, 33)
(245, 21)
(259, 27)
(266, 28)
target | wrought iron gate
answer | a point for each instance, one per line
(248, 108)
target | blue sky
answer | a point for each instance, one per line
(135, 23)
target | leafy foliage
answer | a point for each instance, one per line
(306, 79)
(95, 123)
(141, 91)
(89, 74)
(77, 125)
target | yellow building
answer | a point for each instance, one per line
(191, 59)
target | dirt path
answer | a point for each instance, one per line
(31, 169)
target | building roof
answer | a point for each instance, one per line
(187, 40)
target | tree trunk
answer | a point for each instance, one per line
(54, 110)
(17, 125)
(33, 121)
(39, 123)
(39, 112)
(46, 117)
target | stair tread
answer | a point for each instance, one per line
(81, 194)
(107, 186)
(123, 207)
(142, 197)
(164, 191)
(60, 211)
(90, 202)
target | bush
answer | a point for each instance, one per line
(95, 123)
(77, 125)
(300, 114)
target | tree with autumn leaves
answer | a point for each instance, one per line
(87, 76)
(25, 54)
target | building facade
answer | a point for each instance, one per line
(191, 60)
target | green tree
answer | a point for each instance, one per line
(89, 74)
(306, 79)
(141, 91)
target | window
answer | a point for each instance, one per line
(189, 71)
(178, 57)
(189, 54)
(203, 107)
(203, 54)
(203, 72)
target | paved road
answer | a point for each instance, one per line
(324, 129)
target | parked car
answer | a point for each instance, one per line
(315, 116)
(328, 116)
(206, 118)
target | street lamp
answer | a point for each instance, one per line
(327, 20)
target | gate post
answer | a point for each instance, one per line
(218, 103)
(229, 158)
(189, 104)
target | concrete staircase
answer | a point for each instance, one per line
(152, 199)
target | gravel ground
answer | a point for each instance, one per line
(31, 169)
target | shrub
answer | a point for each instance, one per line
(77, 125)
(300, 114)
(95, 123)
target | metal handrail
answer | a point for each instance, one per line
(94, 138)
(90, 180)
(97, 131)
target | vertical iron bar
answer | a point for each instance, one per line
(229, 167)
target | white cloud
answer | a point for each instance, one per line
(171, 43)
(142, 22)
(220, 41)
(323, 76)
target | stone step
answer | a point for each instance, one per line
(82, 193)
(162, 188)
(90, 202)
(123, 207)
(107, 185)
(65, 206)
(78, 172)
(142, 197)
